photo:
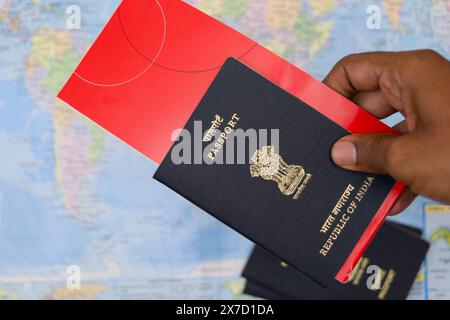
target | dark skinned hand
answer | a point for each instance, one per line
(416, 84)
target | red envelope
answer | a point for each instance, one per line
(150, 66)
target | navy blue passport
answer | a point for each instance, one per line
(283, 191)
(397, 250)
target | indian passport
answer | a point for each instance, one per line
(258, 159)
(386, 271)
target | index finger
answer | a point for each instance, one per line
(358, 72)
(369, 72)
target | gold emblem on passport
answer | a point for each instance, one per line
(291, 179)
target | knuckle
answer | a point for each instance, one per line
(390, 155)
(348, 59)
(424, 58)
(351, 56)
(429, 54)
(401, 159)
(370, 153)
(393, 157)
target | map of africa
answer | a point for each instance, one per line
(73, 196)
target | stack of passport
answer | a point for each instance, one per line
(286, 195)
(386, 271)
(160, 66)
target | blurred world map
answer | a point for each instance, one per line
(73, 196)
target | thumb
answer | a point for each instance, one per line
(364, 152)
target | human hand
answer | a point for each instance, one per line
(416, 84)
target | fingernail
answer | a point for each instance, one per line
(344, 153)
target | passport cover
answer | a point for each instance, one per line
(148, 69)
(294, 202)
(399, 252)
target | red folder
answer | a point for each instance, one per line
(150, 66)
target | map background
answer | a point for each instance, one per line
(70, 194)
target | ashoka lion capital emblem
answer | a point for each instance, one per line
(270, 166)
